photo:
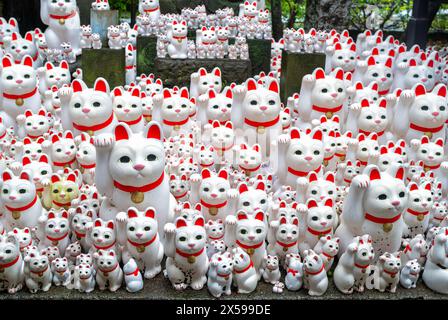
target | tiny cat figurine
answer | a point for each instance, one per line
(33, 125)
(416, 216)
(416, 248)
(53, 230)
(102, 236)
(219, 277)
(132, 276)
(354, 265)
(84, 277)
(410, 274)
(202, 81)
(271, 272)
(286, 238)
(38, 275)
(315, 276)
(11, 264)
(185, 249)
(109, 274)
(127, 107)
(61, 272)
(386, 274)
(294, 272)
(61, 192)
(177, 35)
(244, 273)
(327, 248)
(138, 234)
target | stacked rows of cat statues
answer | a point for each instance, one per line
(99, 184)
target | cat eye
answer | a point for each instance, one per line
(229, 105)
(369, 117)
(169, 106)
(382, 197)
(55, 191)
(259, 231)
(198, 237)
(77, 105)
(317, 152)
(254, 102)
(69, 190)
(385, 163)
(27, 76)
(375, 74)
(96, 104)
(8, 251)
(263, 201)
(125, 159)
(243, 231)
(430, 76)
(151, 157)
(183, 106)
(314, 218)
(329, 216)
(131, 229)
(324, 90)
(417, 200)
(5, 191)
(147, 228)
(85, 152)
(388, 75)
(415, 75)
(442, 108)
(364, 149)
(107, 236)
(182, 239)
(215, 106)
(246, 203)
(222, 190)
(119, 106)
(283, 231)
(424, 151)
(425, 108)
(340, 90)
(314, 192)
(271, 102)
(51, 226)
(298, 152)
(206, 189)
(9, 77)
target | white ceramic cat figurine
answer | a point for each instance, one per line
(219, 277)
(177, 35)
(11, 264)
(132, 277)
(109, 274)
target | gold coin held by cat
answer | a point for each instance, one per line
(387, 227)
(16, 215)
(137, 197)
(62, 21)
(420, 217)
(428, 134)
(191, 259)
(261, 129)
(213, 211)
(19, 102)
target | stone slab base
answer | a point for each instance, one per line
(106, 63)
(260, 55)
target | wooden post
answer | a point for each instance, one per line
(418, 25)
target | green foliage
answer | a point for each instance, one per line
(122, 5)
(440, 23)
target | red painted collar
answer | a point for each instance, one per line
(382, 93)
(250, 170)
(40, 273)
(223, 122)
(363, 163)
(416, 213)
(382, 220)
(426, 167)
(9, 264)
(3, 135)
(217, 238)
(175, 123)
(145, 188)
(302, 173)
(63, 164)
(95, 127)
(88, 166)
(181, 195)
(132, 122)
(246, 247)
(104, 248)
(257, 124)
(151, 10)
(106, 272)
(70, 15)
(133, 273)
(392, 274)
(379, 134)
(224, 148)
(79, 235)
(186, 255)
(57, 239)
(145, 244)
(347, 181)
(317, 272)
(360, 266)
(319, 233)
(129, 67)
(286, 245)
(225, 276)
(207, 165)
(60, 204)
(209, 205)
(179, 38)
(251, 264)
(424, 129)
(19, 96)
(29, 205)
(324, 110)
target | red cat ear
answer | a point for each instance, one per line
(101, 85)
(241, 216)
(27, 61)
(135, 92)
(121, 132)
(154, 131)
(166, 93)
(71, 177)
(251, 85)
(6, 62)
(259, 216)
(294, 133)
(330, 177)
(442, 91)
(55, 178)
(365, 103)
(223, 174)
(260, 186)
(283, 220)
(383, 150)
(217, 72)
(229, 125)
(282, 204)
(400, 173)
(77, 85)
(64, 214)
(424, 140)
(311, 203)
(7, 176)
(329, 203)
(198, 207)
(211, 94)
(371, 61)
(312, 176)
(202, 71)
(256, 147)
(51, 215)
(49, 66)
(317, 135)
(340, 74)
(98, 223)
(273, 86)
(319, 73)
(117, 92)
(110, 225)
(150, 213)
(199, 222)
(412, 63)
(374, 174)
(413, 186)
(205, 173)
(242, 188)
(184, 93)
(25, 161)
(439, 142)
(64, 65)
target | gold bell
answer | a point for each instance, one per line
(137, 197)
(325, 163)
(342, 158)
(176, 128)
(2, 270)
(285, 249)
(62, 21)
(54, 243)
(387, 227)
(16, 215)
(148, 118)
(420, 217)
(19, 102)
(329, 114)
(90, 132)
(426, 169)
(213, 211)
(250, 251)
(428, 134)
(39, 193)
(191, 259)
(141, 249)
(261, 129)
(219, 152)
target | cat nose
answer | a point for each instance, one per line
(139, 235)
(12, 198)
(191, 245)
(177, 110)
(251, 237)
(19, 81)
(383, 79)
(334, 95)
(435, 113)
(424, 79)
(139, 167)
(85, 110)
(323, 224)
(263, 108)
(308, 158)
(213, 195)
(377, 121)
(126, 110)
(395, 203)
(67, 152)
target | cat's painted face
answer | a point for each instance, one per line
(373, 117)
(223, 33)
(305, 152)
(57, 224)
(175, 106)
(240, 258)
(364, 253)
(210, 80)
(57, 75)
(209, 35)
(328, 91)
(86, 153)
(253, 199)
(381, 73)
(366, 146)
(219, 105)
(312, 262)
(9, 248)
(190, 236)
(261, 104)
(81, 220)
(431, 153)
(250, 9)
(40, 170)
(213, 187)
(369, 92)
(222, 136)
(19, 47)
(251, 230)
(103, 233)
(84, 259)
(179, 28)
(155, 87)
(37, 262)
(288, 230)
(320, 217)
(344, 57)
(420, 198)
(330, 245)
(386, 195)
(249, 158)
(86, 30)
(321, 188)
(7, 28)
(207, 156)
(388, 157)
(60, 264)
(23, 236)
(141, 227)
(137, 157)
(90, 106)
(61, 6)
(64, 190)
(32, 149)
(105, 259)
(214, 229)
(149, 4)
(63, 149)
(127, 106)
(429, 108)
(36, 124)
(178, 185)
(18, 78)
(423, 73)
(17, 191)
(391, 262)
